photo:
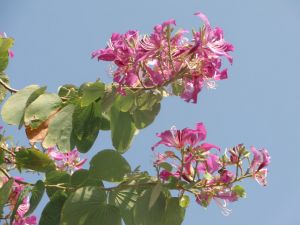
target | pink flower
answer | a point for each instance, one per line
(181, 138)
(213, 40)
(221, 197)
(69, 161)
(23, 207)
(31, 220)
(261, 177)
(227, 176)
(165, 175)
(261, 159)
(210, 165)
(161, 58)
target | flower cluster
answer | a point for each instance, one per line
(162, 59)
(69, 161)
(20, 218)
(199, 168)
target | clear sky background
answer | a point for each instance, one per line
(258, 105)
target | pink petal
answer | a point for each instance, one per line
(203, 18)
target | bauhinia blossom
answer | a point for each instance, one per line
(20, 218)
(161, 59)
(69, 161)
(201, 167)
(261, 159)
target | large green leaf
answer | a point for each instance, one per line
(174, 213)
(86, 206)
(108, 98)
(60, 130)
(122, 129)
(37, 193)
(155, 194)
(109, 165)
(34, 159)
(91, 92)
(143, 118)
(143, 215)
(4, 193)
(3, 90)
(125, 200)
(13, 109)
(124, 103)
(86, 126)
(146, 100)
(51, 214)
(56, 177)
(81, 178)
(40, 110)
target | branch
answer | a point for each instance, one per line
(7, 87)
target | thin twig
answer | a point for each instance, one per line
(7, 87)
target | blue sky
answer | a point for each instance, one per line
(258, 105)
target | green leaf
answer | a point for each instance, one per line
(123, 199)
(1, 157)
(91, 92)
(4, 58)
(143, 118)
(34, 159)
(177, 88)
(124, 103)
(20, 199)
(5, 45)
(37, 193)
(86, 127)
(146, 100)
(122, 129)
(239, 190)
(174, 213)
(3, 90)
(40, 110)
(86, 206)
(13, 109)
(184, 201)
(105, 122)
(155, 194)
(56, 177)
(145, 216)
(109, 165)
(60, 130)
(166, 166)
(4, 193)
(108, 98)
(81, 178)
(51, 214)
(68, 91)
